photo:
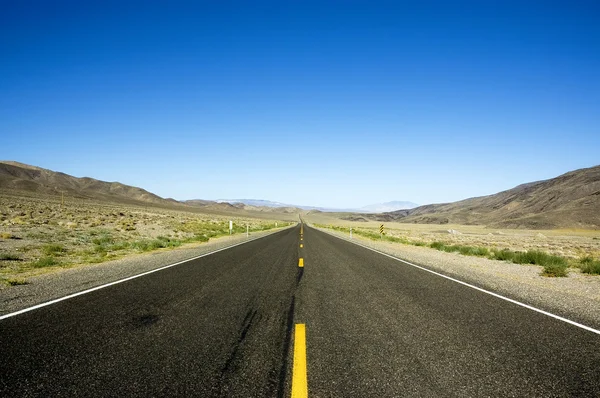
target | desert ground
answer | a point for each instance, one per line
(40, 234)
(571, 244)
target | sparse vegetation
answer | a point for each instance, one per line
(553, 265)
(590, 266)
(153, 244)
(53, 249)
(43, 262)
(40, 233)
(9, 257)
(555, 269)
(503, 255)
(15, 281)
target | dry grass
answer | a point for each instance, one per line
(574, 246)
(568, 243)
(41, 235)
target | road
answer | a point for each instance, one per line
(227, 325)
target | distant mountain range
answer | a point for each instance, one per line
(388, 206)
(375, 208)
(571, 200)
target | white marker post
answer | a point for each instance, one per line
(247, 231)
(230, 227)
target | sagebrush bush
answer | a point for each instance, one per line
(590, 266)
(9, 257)
(48, 261)
(53, 248)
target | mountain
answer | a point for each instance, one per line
(21, 177)
(571, 200)
(199, 202)
(263, 206)
(376, 208)
(254, 202)
(388, 207)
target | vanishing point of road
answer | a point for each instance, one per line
(297, 313)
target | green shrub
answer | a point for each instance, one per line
(553, 265)
(48, 261)
(159, 243)
(474, 251)
(119, 246)
(9, 257)
(502, 255)
(555, 269)
(437, 245)
(100, 249)
(141, 245)
(200, 238)
(590, 266)
(53, 248)
(103, 240)
(481, 251)
(15, 282)
(451, 248)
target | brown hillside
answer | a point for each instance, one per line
(571, 200)
(20, 177)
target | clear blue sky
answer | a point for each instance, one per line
(316, 103)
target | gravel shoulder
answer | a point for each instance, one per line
(576, 297)
(58, 284)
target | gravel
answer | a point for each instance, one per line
(51, 286)
(576, 297)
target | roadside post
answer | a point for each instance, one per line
(381, 231)
(230, 227)
(247, 231)
(350, 232)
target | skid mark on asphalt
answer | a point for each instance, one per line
(299, 275)
(286, 347)
(246, 324)
(144, 321)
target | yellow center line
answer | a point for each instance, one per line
(299, 379)
(301, 262)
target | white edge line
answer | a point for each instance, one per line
(35, 307)
(560, 318)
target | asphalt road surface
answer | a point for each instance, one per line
(227, 325)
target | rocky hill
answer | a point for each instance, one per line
(18, 177)
(571, 200)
